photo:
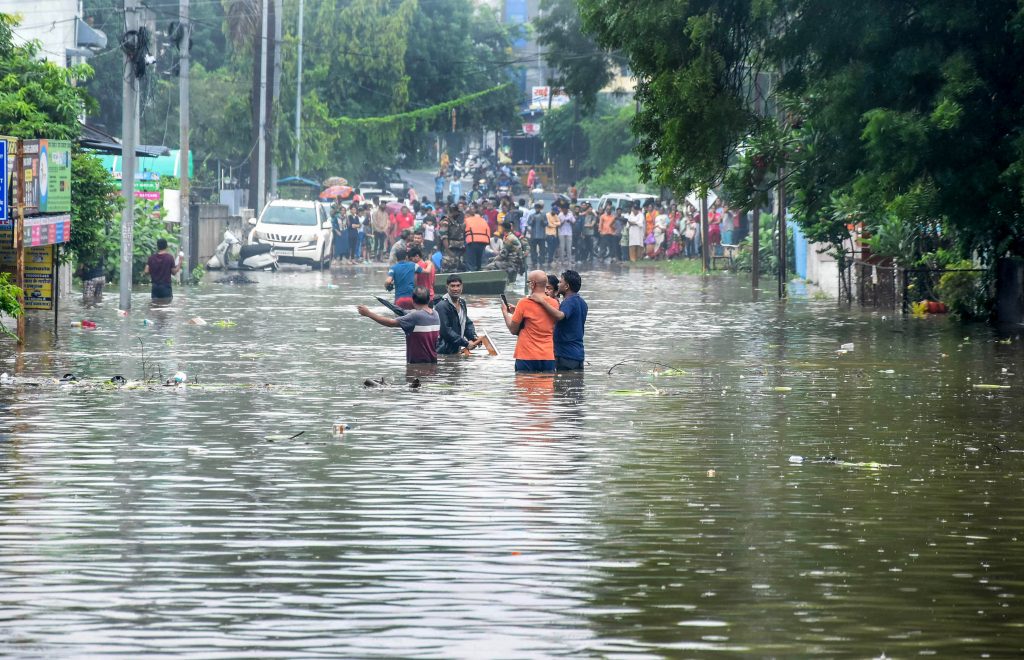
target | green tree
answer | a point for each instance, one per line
(94, 207)
(583, 67)
(694, 63)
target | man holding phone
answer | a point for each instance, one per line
(533, 326)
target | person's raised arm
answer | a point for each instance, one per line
(513, 326)
(552, 311)
(370, 314)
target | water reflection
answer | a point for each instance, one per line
(485, 513)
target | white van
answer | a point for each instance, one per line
(298, 230)
(624, 200)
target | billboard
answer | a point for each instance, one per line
(47, 167)
(539, 99)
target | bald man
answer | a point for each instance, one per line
(533, 326)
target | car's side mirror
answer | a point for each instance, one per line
(252, 222)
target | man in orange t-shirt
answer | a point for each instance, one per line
(533, 326)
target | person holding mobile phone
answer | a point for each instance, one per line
(533, 326)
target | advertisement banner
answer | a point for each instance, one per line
(46, 230)
(4, 215)
(39, 275)
(55, 176)
(47, 165)
(539, 98)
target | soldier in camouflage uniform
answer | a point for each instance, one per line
(454, 242)
(511, 259)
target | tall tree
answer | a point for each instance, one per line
(582, 67)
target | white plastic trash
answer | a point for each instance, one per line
(796, 459)
(847, 347)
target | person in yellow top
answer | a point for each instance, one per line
(551, 232)
(478, 237)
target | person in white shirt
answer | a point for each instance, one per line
(635, 222)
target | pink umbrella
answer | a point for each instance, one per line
(394, 207)
(336, 191)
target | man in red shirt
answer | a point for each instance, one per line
(491, 215)
(160, 267)
(404, 219)
(426, 278)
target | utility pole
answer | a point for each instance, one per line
(755, 258)
(298, 95)
(261, 174)
(185, 30)
(782, 234)
(129, 113)
(705, 254)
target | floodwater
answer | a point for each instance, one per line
(484, 515)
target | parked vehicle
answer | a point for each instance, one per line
(299, 231)
(388, 181)
(625, 200)
(232, 255)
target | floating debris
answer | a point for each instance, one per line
(989, 386)
(277, 438)
(197, 320)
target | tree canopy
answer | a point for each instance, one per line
(889, 110)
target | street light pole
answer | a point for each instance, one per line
(261, 174)
(129, 111)
(183, 142)
(298, 95)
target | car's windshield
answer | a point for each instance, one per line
(290, 215)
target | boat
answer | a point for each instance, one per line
(478, 283)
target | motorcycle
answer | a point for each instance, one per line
(232, 255)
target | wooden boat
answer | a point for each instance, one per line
(476, 283)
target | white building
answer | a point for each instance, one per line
(57, 25)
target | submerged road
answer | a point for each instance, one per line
(639, 512)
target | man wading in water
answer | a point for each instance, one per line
(533, 326)
(457, 330)
(160, 267)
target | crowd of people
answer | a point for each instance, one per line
(548, 322)
(502, 234)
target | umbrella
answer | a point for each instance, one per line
(394, 207)
(335, 181)
(336, 191)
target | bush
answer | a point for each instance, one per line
(9, 293)
(961, 291)
(149, 228)
(768, 248)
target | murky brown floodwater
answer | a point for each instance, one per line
(493, 516)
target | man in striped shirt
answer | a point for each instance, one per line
(421, 326)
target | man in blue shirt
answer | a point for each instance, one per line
(402, 278)
(570, 317)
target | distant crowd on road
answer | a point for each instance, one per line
(502, 234)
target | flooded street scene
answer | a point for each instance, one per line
(657, 510)
(511, 329)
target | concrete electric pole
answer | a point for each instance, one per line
(298, 95)
(185, 30)
(261, 174)
(131, 43)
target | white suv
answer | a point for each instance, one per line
(299, 231)
(624, 201)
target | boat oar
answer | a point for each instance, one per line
(393, 307)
